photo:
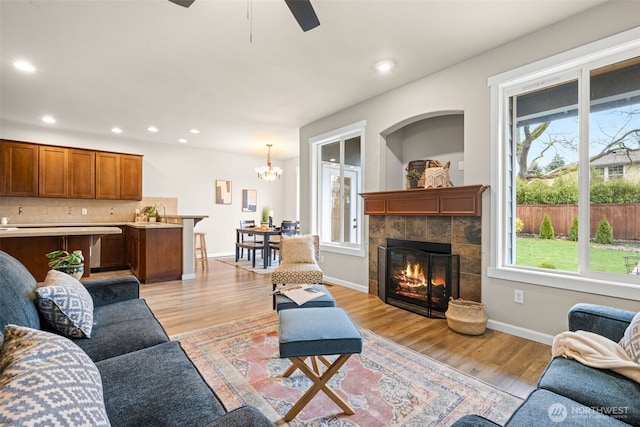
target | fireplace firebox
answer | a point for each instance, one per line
(418, 276)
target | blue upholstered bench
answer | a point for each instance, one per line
(326, 300)
(313, 333)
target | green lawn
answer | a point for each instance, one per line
(563, 255)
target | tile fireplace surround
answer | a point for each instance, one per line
(462, 228)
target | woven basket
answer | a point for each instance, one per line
(466, 317)
(435, 177)
(418, 166)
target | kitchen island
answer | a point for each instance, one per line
(30, 244)
(154, 251)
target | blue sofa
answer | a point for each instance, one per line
(147, 379)
(571, 394)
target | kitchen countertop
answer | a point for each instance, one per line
(57, 231)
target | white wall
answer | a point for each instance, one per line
(464, 88)
(189, 174)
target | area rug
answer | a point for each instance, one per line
(387, 384)
(247, 265)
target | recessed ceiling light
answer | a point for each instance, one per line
(152, 129)
(116, 130)
(48, 119)
(24, 66)
(182, 141)
(194, 131)
(384, 66)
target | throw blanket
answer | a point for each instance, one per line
(595, 351)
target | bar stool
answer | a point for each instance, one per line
(200, 250)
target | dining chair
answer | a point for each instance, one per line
(287, 228)
(251, 244)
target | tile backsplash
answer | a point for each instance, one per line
(34, 210)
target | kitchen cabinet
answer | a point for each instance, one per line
(53, 167)
(66, 172)
(130, 177)
(82, 174)
(118, 176)
(112, 251)
(154, 253)
(38, 170)
(19, 163)
(107, 176)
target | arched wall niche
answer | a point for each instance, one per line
(434, 135)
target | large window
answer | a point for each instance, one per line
(567, 150)
(337, 169)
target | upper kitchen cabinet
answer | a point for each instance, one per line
(130, 177)
(107, 176)
(54, 168)
(66, 172)
(118, 176)
(82, 174)
(38, 170)
(19, 163)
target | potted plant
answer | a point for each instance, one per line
(151, 212)
(70, 263)
(413, 176)
(264, 222)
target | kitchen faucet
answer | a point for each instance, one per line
(164, 210)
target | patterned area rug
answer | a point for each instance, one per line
(246, 265)
(387, 385)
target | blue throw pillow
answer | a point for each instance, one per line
(66, 304)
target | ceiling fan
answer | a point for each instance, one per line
(302, 10)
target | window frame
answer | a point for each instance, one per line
(345, 132)
(577, 62)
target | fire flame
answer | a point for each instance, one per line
(415, 272)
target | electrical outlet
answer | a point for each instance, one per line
(518, 296)
(84, 211)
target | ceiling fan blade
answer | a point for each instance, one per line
(304, 13)
(183, 3)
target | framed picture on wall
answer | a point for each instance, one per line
(223, 192)
(249, 200)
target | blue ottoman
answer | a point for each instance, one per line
(326, 300)
(316, 332)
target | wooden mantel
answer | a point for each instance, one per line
(449, 201)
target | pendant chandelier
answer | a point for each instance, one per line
(269, 173)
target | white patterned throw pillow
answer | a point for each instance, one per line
(66, 304)
(47, 380)
(631, 339)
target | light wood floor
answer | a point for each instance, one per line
(227, 293)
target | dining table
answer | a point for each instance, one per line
(266, 233)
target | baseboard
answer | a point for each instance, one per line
(188, 276)
(350, 285)
(520, 332)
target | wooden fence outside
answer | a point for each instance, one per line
(624, 218)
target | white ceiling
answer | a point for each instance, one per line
(134, 64)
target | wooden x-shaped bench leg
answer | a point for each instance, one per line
(319, 383)
(314, 363)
